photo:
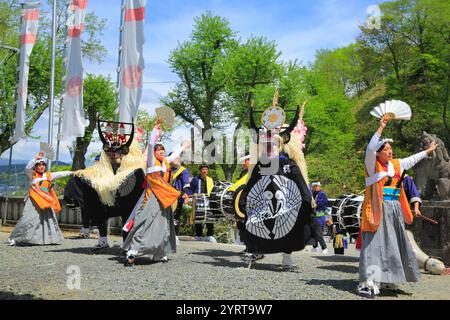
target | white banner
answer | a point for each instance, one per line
(132, 63)
(30, 24)
(73, 114)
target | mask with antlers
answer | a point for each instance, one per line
(273, 120)
(114, 139)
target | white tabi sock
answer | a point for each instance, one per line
(287, 259)
(131, 253)
(84, 231)
(103, 242)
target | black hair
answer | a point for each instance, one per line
(382, 146)
(203, 166)
(158, 147)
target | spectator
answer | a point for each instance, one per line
(320, 217)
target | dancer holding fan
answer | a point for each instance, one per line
(38, 224)
(387, 256)
(151, 227)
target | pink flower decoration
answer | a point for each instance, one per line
(301, 130)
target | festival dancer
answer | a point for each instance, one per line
(38, 224)
(151, 226)
(387, 256)
(276, 201)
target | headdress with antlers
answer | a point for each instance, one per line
(273, 119)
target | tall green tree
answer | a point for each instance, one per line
(201, 65)
(413, 44)
(220, 76)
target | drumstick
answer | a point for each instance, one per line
(430, 220)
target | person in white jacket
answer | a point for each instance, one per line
(387, 256)
(38, 224)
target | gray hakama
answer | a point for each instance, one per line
(153, 231)
(37, 226)
(387, 255)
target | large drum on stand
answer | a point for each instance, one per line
(214, 208)
(346, 213)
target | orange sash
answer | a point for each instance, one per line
(41, 197)
(164, 192)
(372, 211)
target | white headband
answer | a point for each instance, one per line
(383, 141)
(41, 160)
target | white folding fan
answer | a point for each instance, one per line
(48, 150)
(393, 109)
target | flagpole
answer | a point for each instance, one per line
(61, 100)
(16, 96)
(119, 62)
(52, 83)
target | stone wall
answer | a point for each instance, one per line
(434, 239)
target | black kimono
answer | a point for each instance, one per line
(277, 205)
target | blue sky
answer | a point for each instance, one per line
(300, 27)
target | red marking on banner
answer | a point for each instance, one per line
(74, 86)
(28, 38)
(132, 77)
(137, 14)
(31, 14)
(75, 32)
(78, 4)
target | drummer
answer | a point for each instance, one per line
(203, 184)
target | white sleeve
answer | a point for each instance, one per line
(175, 154)
(150, 161)
(410, 162)
(154, 136)
(371, 154)
(29, 168)
(60, 174)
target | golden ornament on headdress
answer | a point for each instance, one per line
(274, 116)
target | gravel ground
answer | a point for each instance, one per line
(199, 270)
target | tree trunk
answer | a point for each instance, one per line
(5, 139)
(81, 147)
(228, 171)
(80, 150)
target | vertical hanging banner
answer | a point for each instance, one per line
(132, 63)
(30, 24)
(73, 119)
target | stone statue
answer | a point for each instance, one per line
(432, 175)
